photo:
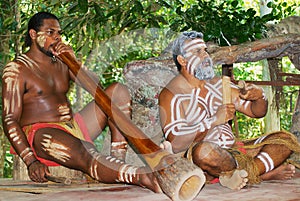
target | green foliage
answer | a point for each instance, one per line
(249, 127)
(8, 165)
(226, 22)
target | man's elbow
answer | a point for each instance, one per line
(260, 112)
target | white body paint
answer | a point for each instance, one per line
(127, 173)
(198, 115)
(64, 111)
(54, 149)
(266, 160)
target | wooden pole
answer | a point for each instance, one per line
(226, 89)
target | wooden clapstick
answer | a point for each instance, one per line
(226, 89)
(62, 180)
(182, 186)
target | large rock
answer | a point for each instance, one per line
(145, 79)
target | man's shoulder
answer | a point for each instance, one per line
(20, 61)
(12, 67)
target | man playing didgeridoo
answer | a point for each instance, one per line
(39, 122)
(195, 122)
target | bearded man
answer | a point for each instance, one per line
(195, 122)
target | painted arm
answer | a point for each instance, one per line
(251, 101)
(12, 96)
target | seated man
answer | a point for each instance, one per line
(195, 122)
(39, 122)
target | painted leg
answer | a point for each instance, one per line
(62, 148)
(270, 163)
(120, 95)
(270, 160)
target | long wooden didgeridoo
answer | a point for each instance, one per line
(178, 178)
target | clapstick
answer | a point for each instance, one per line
(62, 180)
(226, 89)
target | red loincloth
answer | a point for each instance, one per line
(81, 133)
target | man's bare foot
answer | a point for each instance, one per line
(235, 181)
(148, 180)
(283, 172)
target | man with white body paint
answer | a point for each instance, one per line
(195, 122)
(39, 122)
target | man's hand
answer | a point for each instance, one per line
(251, 92)
(61, 47)
(37, 172)
(224, 114)
(166, 145)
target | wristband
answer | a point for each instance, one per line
(31, 163)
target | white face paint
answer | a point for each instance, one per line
(199, 63)
(41, 38)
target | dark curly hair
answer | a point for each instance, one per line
(35, 22)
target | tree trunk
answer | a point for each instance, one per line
(272, 119)
(295, 129)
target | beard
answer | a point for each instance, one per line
(46, 52)
(205, 71)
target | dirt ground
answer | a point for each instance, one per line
(288, 190)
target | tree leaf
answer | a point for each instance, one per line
(83, 6)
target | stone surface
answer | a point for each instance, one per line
(145, 79)
(288, 190)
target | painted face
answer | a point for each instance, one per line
(199, 62)
(48, 35)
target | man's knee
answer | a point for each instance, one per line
(205, 152)
(118, 92)
(210, 156)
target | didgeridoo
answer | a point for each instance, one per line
(178, 178)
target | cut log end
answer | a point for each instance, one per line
(182, 180)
